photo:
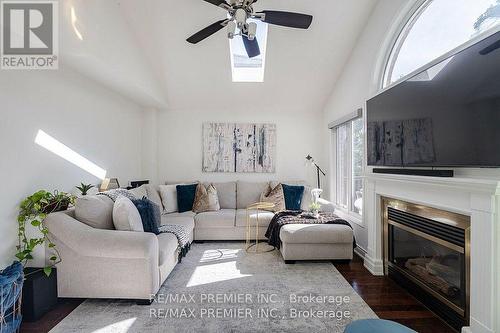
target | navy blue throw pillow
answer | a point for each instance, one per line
(293, 196)
(150, 214)
(185, 197)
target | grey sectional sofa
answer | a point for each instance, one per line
(99, 262)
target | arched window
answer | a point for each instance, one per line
(437, 27)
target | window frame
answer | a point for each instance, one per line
(404, 24)
(347, 213)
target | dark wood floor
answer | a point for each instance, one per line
(389, 301)
(384, 296)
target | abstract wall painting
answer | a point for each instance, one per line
(246, 148)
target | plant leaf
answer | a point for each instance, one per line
(47, 270)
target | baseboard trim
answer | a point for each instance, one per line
(360, 252)
(374, 266)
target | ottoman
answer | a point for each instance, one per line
(316, 242)
(376, 326)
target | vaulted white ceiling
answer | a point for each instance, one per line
(301, 65)
(143, 54)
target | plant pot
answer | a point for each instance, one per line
(55, 206)
(39, 293)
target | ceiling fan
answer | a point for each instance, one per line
(239, 12)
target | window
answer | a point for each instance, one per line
(436, 28)
(245, 69)
(348, 135)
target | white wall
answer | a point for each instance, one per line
(180, 143)
(97, 123)
(359, 80)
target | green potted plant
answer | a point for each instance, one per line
(40, 285)
(315, 208)
(84, 188)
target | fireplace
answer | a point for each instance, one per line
(427, 252)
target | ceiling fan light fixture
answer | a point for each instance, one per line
(252, 30)
(231, 29)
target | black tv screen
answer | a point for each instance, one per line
(447, 115)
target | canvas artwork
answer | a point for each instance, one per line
(230, 147)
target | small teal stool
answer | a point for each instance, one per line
(376, 326)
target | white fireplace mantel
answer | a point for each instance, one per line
(477, 198)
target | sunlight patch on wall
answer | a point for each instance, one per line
(61, 150)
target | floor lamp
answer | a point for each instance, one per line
(310, 160)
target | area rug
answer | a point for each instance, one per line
(219, 287)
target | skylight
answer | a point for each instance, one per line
(245, 69)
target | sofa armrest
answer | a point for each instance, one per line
(326, 206)
(88, 241)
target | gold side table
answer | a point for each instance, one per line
(251, 245)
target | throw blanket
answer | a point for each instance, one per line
(295, 217)
(153, 214)
(114, 194)
(182, 237)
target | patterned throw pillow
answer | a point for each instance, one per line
(274, 195)
(206, 199)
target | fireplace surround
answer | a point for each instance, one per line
(477, 198)
(427, 251)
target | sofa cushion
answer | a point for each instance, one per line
(168, 194)
(293, 196)
(167, 245)
(154, 194)
(248, 193)
(185, 221)
(126, 217)
(95, 211)
(139, 192)
(185, 197)
(227, 194)
(224, 218)
(206, 199)
(264, 217)
(316, 234)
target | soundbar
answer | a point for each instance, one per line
(415, 172)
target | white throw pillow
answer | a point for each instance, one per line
(168, 194)
(126, 217)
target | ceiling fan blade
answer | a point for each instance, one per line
(219, 3)
(287, 19)
(207, 32)
(252, 47)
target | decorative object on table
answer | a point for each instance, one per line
(230, 147)
(376, 326)
(39, 293)
(109, 184)
(185, 197)
(275, 196)
(206, 199)
(84, 188)
(311, 161)
(314, 208)
(252, 238)
(137, 183)
(34, 209)
(11, 286)
(293, 196)
(316, 194)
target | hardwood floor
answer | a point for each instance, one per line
(384, 296)
(389, 301)
(64, 307)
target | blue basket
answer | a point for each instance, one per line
(11, 286)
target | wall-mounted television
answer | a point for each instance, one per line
(447, 115)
